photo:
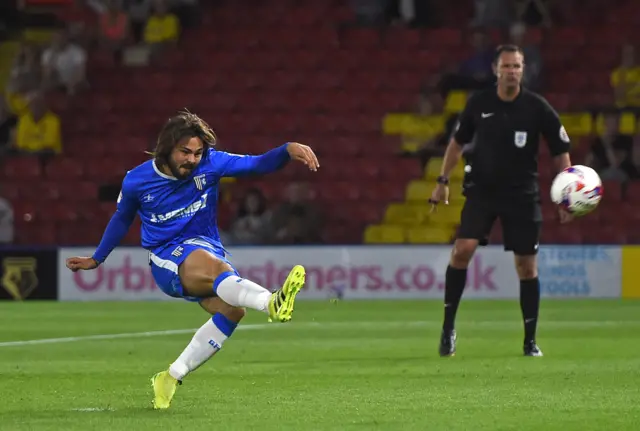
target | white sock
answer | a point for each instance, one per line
(204, 344)
(240, 292)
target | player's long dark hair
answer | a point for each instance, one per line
(183, 125)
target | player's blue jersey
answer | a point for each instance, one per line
(174, 210)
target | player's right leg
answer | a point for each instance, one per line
(476, 221)
(202, 274)
(206, 342)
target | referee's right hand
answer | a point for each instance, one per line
(440, 194)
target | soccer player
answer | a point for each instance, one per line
(175, 196)
(503, 126)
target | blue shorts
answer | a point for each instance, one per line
(165, 263)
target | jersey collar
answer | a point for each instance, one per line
(162, 174)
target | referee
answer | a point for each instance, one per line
(503, 125)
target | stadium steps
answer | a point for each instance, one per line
(412, 221)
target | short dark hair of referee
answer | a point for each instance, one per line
(503, 126)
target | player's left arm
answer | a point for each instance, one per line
(235, 165)
(556, 136)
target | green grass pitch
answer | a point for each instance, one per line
(358, 365)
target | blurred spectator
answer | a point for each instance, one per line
(533, 12)
(114, 29)
(297, 221)
(251, 225)
(25, 77)
(10, 18)
(492, 14)
(532, 56)
(79, 19)
(370, 12)
(64, 64)
(38, 130)
(187, 11)
(476, 72)
(635, 154)
(610, 153)
(162, 28)
(6, 221)
(8, 122)
(418, 13)
(25, 71)
(625, 80)
(139, 11)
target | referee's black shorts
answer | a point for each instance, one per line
(521, 221)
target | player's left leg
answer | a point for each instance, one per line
(522, 235)
(206, 342)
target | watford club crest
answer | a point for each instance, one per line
(19, 276)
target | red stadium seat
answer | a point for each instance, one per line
(64, 168)
(361, 38)
(22, 168)
(36, 234)
(612, 191)
(274, 71)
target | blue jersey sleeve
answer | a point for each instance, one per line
(235, 165)
(120, 222)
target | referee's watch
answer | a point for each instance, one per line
(442, 180)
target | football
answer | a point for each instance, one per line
(578, 189)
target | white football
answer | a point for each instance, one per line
(578, 189)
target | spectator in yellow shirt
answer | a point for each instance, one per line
(625, 80)
(38, 130)
(162, 28)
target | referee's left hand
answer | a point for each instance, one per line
(565, 216)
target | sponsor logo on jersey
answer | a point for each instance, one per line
(181, 212)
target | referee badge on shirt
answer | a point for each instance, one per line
(200, 181)
(520, 139)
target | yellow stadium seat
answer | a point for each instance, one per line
(37, 35)
(446, 215)
(423, 127)
(384, 234)
(407, 214)
(419, 190)
(432, 170)
(393, 123)
(411, 145)
(578, 124)
(411, 125)
(627, 124)
(456, 100)
(429, 235)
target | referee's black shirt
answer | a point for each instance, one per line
(505, 138)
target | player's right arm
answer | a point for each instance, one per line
(117, 228)
(463, 134)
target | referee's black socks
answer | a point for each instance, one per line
(455, 280)
(530, 304)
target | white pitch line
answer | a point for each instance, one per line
(502, 325)
(113, 336)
